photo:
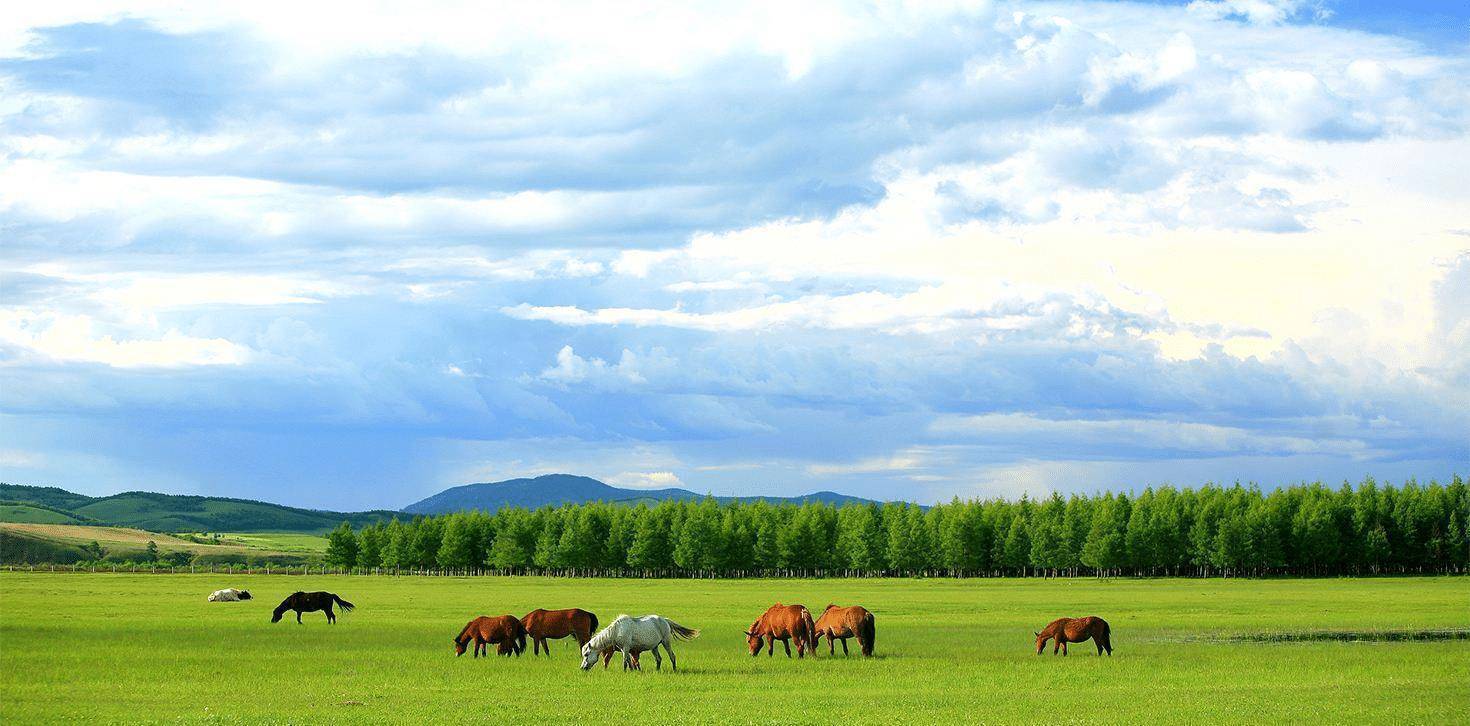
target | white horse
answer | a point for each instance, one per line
(635, 635)
(229, 594)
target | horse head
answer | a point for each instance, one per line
(459, 646)
(589, 656)
(1041, 642)
(754, 640)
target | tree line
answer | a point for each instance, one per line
(1308, 529)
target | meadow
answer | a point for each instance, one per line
(149, 648)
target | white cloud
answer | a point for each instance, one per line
(646, 480)
(74, 338)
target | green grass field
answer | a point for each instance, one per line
(148, 647)
(276, 541)
(33, 514)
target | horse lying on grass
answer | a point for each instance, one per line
(310, 602)
(635, 635)
(783, 622)
(229, 594)
(842, 623)
(505, 631)
(1076, 630)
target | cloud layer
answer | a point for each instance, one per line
(900, 252)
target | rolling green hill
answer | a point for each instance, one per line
(172, 513)
(36, 514)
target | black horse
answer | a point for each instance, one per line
(309, 602)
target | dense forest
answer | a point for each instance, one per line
(1212, 531)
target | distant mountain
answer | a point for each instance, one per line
(556, 489)
(175, 513)
(181, 513)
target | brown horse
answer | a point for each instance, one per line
(1076, 630)
(553, 624)
(783, 622)
(842, 623)
(310, 602)
(504, 630)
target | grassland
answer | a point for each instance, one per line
(126, 542)
(31, 513)
(148, 647)
(276, 541)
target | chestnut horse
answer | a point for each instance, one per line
(542, 625)
(1076, 630)
(310, 602)
(842, 623)
(783, 622)
(504, 630)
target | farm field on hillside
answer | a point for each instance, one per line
(126, 541)
(148, 647)
(33, 514)
(276, 541)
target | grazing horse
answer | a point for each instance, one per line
(505, 631)
(542, 625)
(635, 635)
(310, 602)
(229, 594)
(1076, 630)
(842, 623)
(783, 622)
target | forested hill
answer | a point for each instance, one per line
(178, 513)
(555, 489)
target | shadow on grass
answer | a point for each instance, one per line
(1346, 636)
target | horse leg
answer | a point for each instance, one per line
(658, 660)
(771, 648)
(673, 664)
(331, 616)
(844, 646)
(1064, 646)
(1098, 642)
(298, 617)
(786, 643)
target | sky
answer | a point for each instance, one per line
(347, 256)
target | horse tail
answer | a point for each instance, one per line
(682, 632)
(593, 630)
(811, 629)
(868, 633)
(347, 606)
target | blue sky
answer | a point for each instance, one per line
(345, 257)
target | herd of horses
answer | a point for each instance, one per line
(632, 636)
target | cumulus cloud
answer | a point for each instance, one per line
(894, 250)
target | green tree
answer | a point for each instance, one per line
(652, 548)
(458, 549)
(370, 544)
(341, 546)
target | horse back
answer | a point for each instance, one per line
(782, 621)
(1056, 627)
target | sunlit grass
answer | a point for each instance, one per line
(148, 647)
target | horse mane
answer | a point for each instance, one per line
(464, 635)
